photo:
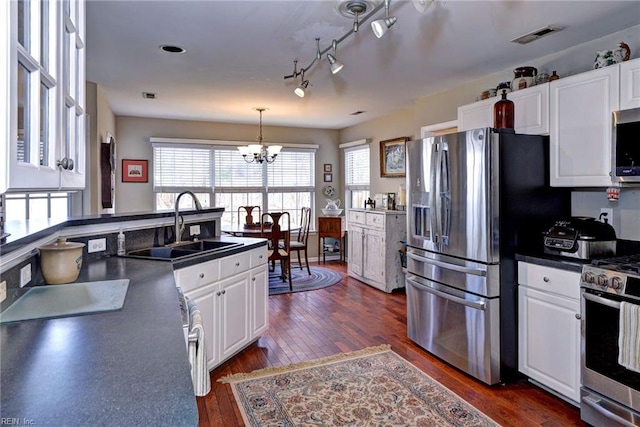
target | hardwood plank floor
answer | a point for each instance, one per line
(351, 316)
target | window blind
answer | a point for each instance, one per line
(232, 172)
(292, 170)
(182, 168)
(357, 173)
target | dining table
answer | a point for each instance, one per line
(240, 230)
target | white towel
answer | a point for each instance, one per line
(198, 353)
(629, 336)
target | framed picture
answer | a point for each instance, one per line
(328, 167)
(135, 170)
(392, 157)
(328, 177)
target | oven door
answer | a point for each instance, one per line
(461, 328)
(601, 371)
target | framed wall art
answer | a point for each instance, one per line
(328, 167)
(392, 157)
(135, 170)
(328, 177)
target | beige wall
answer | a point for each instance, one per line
(133, 143)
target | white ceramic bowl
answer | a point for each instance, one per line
(332, 212)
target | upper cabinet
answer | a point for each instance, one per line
(630, 84)
(43, 144)
(531, 108)
(581, 108)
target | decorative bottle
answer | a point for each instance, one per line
(503, 113)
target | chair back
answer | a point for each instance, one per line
(245, 215)
(305, 222)
(277, 233)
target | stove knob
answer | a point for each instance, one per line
(616, 283)
(589, 277)
(602, 280)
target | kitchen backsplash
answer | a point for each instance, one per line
(626, 211)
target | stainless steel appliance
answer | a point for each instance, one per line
(474, 198)
(582, 238)
(625, 154)
(610, 393)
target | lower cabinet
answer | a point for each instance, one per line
(549, 328)
(235, 309)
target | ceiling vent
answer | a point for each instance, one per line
(149, 95)
(535, 35)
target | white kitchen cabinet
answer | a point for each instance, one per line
(549, 328)
(232, 295)
(630, 84)
(374, 241)
(531, 111)
(43, 120)
(581, 109)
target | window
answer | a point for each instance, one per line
(180, 168)
(288, 184)
(357, 175)
(21, 206)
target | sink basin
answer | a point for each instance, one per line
(73, 299)
(183, 250)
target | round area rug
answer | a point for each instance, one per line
(319, 278)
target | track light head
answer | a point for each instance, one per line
(300, 90)
(336, 65)
(381, 26)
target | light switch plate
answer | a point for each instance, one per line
(3, 290)
(97, 245)
(25, 275)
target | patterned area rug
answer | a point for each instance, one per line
(320, 278)
(370, 387)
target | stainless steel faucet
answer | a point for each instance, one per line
(178, 232)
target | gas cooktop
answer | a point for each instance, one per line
(619, 275)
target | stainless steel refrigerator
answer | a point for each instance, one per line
(474, 199)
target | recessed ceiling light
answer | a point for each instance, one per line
(149, 95)
(172, 49)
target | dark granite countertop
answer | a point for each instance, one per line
(126, 367)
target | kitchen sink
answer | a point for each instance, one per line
(183, 250)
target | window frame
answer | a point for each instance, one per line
(349, 150)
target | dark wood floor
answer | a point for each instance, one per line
(351, 316)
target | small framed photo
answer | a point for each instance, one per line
(328, 177)
(135, 170)
(392, 157)
(328, 167)
(391, 201)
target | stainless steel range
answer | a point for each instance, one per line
(610, 393)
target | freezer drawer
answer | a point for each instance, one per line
(461, 328)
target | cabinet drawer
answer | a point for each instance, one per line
(258, 256)
(234, 264)
(548, 279)
(196, 276)
(375, 220)
(356, 217)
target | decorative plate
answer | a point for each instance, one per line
(328, 191)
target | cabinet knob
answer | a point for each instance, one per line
(70, 165)
(224, 291)
(578, 316)
(218, 293)
(545, 279)
(202, 275)
(63, 163)
(237, 264)
(253, 279)
(261, 256)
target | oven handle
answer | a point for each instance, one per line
(594, 404)
(600, 300)
(454, 267)
(473, 304)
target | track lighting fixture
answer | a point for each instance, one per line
(336, 65)
(381, 26)
(361, 11)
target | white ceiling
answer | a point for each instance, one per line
(238, 52)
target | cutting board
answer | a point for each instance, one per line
(74, 299)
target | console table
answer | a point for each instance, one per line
(333, 227)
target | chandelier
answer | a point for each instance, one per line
(259, 152)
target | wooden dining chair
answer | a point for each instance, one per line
(300, 243)
(246, 213)
(279, 241)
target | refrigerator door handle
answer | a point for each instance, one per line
(454, 267)
(433, 211)
(478, 305)
(445, 193)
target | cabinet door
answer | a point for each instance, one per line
(476, 115)
(259, 286)
(549, 340)
(356, 242)
(374, 256)
(206, 299)
(580, 128)
(233, 306)
(630, 84)
(531, 109)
